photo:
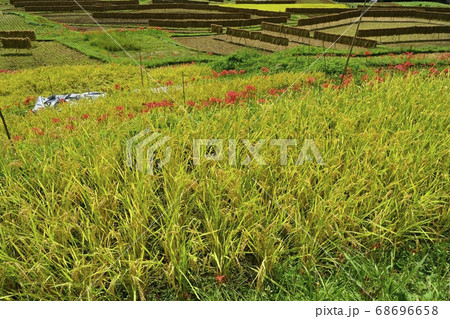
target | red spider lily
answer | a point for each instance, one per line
(38, 131)
(434, 71)
(85, 116)
(273, 91)
(119, 108)
(367, 53)
(241, 72)
(325, 85)
(6, 71)
(409, 55)
(250, 88)
(365, 77)
(310, 80)
(153, 105)
(69, 127)
(117, 86)
(56, 120)
(168, 83)
(400, 67)
(131, 115)
(190, 103)
(297, 87)
(231, 97)
(265, 70)
(17, 138)
(27, 100)
(221, 279)
(262, 101)
(102, 118)
(214, 100)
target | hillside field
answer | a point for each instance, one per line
(239, 174)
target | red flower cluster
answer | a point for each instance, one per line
(6, 71)
(274, 92)
(153, 105)
(38, 131)
(404, 66)
(27, 100)
(310, 80)
(227, 72)
(102, 118)
(221, 279)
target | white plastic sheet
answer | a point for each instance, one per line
(52, 101)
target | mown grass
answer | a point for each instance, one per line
(39, 56)
(26, 21)
(156, 47)
(372, 223)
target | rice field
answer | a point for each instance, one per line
(316, 186)
(78, 223)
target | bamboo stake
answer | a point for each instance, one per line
(184, 94)
(140, 66)
(4, 124)
(352, 45)
(50, 82)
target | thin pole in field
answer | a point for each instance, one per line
(50, 82)
(184, 94)
(140, 66)
(352, 45)
(4, 124)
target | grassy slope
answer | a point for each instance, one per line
(156, 46)
(378, 208)
(423, 4)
